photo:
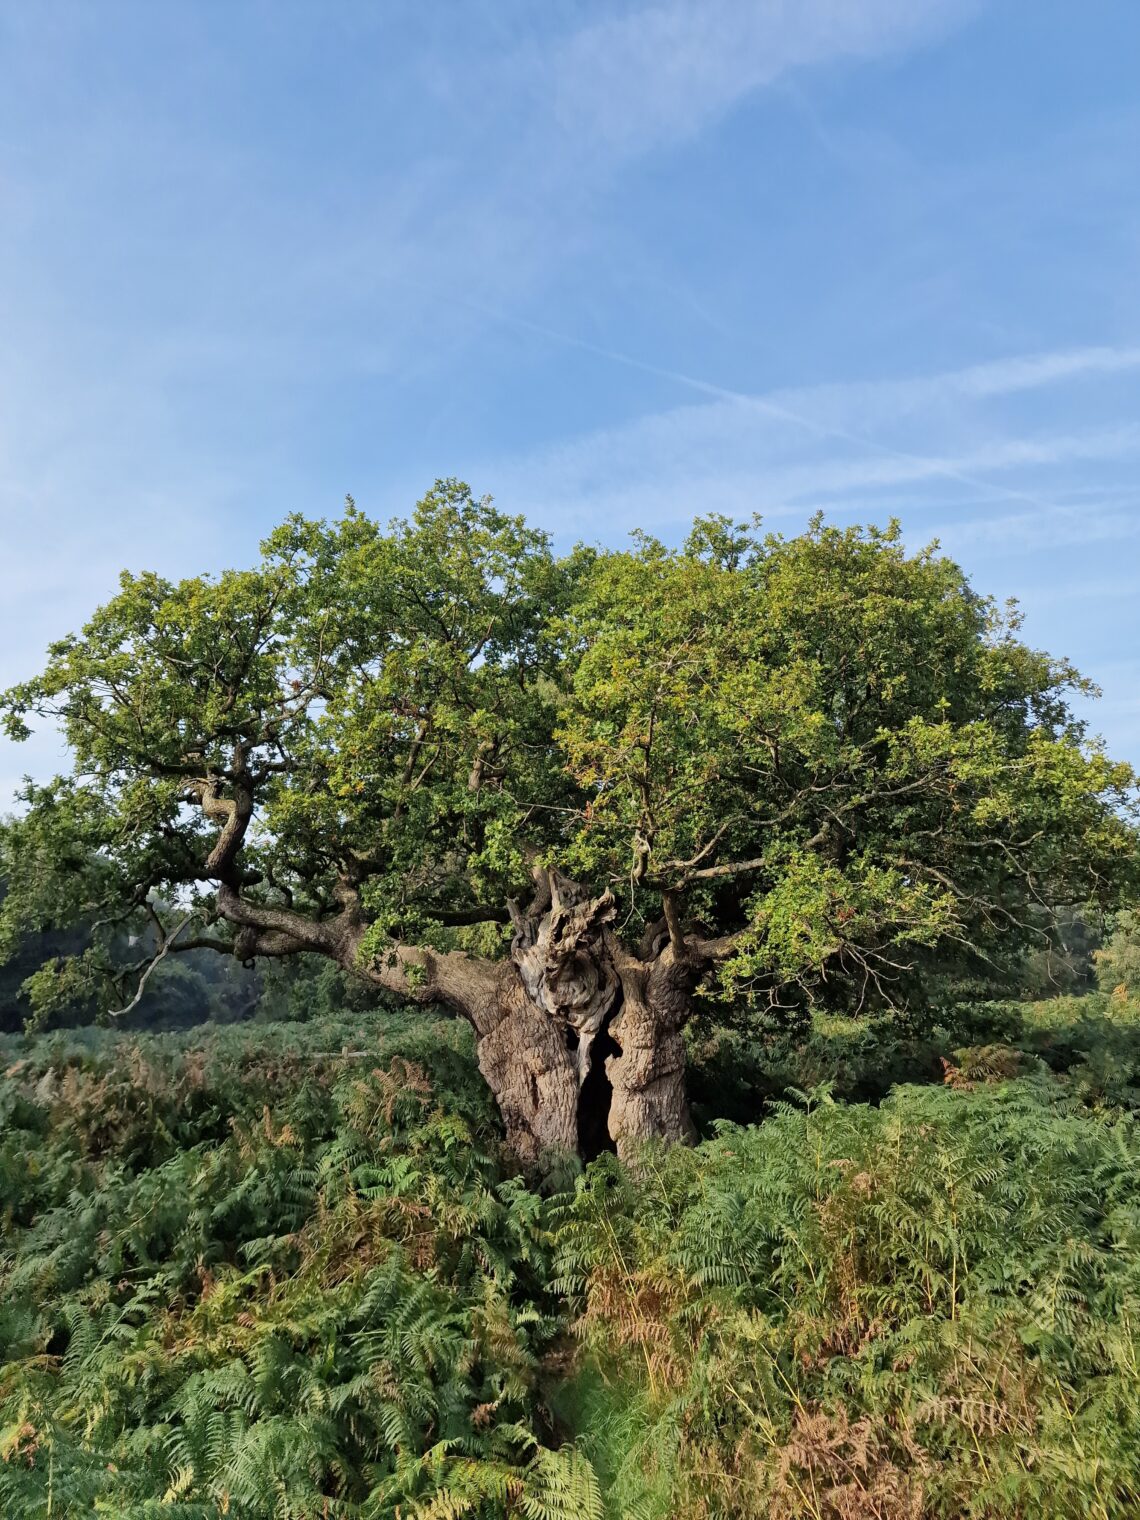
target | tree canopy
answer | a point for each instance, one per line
(820, 767)
(828, 744)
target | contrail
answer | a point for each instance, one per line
(772, 409)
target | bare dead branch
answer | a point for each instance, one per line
(160, 955)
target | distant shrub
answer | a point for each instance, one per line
(1091, 1042)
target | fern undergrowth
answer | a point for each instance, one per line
(285, 1272)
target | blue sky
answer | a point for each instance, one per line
(615, 264)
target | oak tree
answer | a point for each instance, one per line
(574, 799)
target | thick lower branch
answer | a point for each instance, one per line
(463, 983)
(301, 932)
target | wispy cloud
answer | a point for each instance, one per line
(792, 451)
(1022, 374)
(256, 260)
(819, 485)
(1041, 531)
(657, 74)
(157, 362)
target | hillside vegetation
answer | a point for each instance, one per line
(287, 1271)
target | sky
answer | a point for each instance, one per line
(615, 264)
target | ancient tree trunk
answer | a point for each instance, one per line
(578, 1038)
(581, 1044)
(525, 1060)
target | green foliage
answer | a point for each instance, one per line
(1118, 961)
(354, 689)
(269, 1279)
(281, 1270)
(830, 749)
(1090, 1043)
(840, 748)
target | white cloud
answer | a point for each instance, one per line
(1044, 529)
(1041, 369)
(659, 73)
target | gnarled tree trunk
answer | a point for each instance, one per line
(581, 1041)
(647, 1072)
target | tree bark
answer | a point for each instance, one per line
(647, 1074)
(532, 1074)
(585, 1048)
